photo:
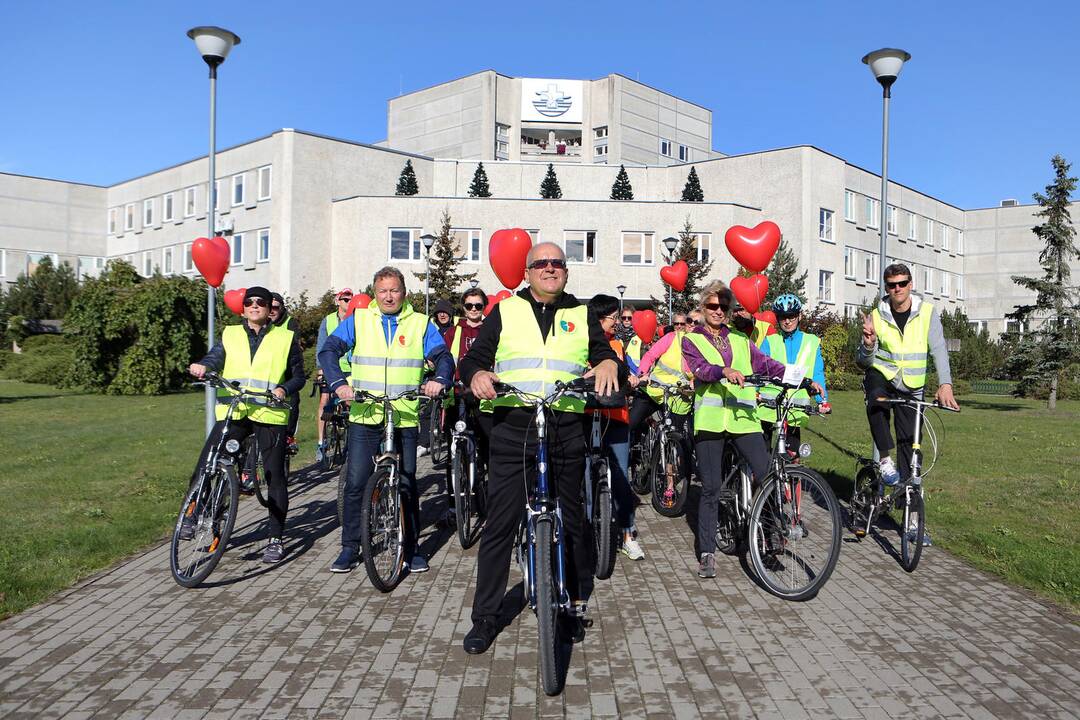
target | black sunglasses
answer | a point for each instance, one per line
(897, 284)
(474, 306)
(255, 301)
(627, 317)
(276, 308)
(717, 306)
(544, 263)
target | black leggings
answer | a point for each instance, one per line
(710, 457)
(903, 417)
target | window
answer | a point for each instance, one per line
(167, 208)
(33, 259)
(637, 248)
(129, 216)
(147, 264)
(166, 261)
(186, 263)
(959, 242)
(665, 147)
(849, 205)
(890, 219)
(959, 283)
(405, 244)
(945, 237)
(3, 263)
(825, 225)
(703, 243)
(502, 130)
(912, 227)
(237, 190)
(851, 310)
(600, 132)
(502, 147)
(189, 202)
(264, 183)
(580, 245)
(148, 212)
(824, 286)
(217, 197)
(978, 326)
(600, 150)
(466, 244)
(237, 244)
(684, 153)
(928, 279)
(263, 254)
(870, 268)
(945, 277)
(873, 208)
(1013, 326)
(112, 221)
(928, 236)
(851, 258)
(534, 235)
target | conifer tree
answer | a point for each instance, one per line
(692, 190)
(783, 275)
(549, 188)
(622, 189)
(479, 186)
(686, 299)
(446, 281)
(406, 184)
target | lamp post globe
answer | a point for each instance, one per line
(213, 43)
(428, 239)
(886, 64)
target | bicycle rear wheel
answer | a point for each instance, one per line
(547, 606)
(912, 521)
(794, 533)
(203, 527)
(605, 538)
(862, 501)
(640, 472)
(460, 476)
(438, 447)
(668, 469)
(382, 531)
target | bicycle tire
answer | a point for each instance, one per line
(382, 531)
(605, 539)
(547, 608)
(459, 478)
(640, 472)
(438, 447)
(913, 512)
(786, 566)
(672, 455)
(729, 533)
(341, 446)
(225, 486)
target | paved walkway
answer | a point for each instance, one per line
(297, 641)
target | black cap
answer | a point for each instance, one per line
(444, 306)
(259, 292)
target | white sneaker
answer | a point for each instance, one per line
(421, 451)
(631, 548)
(889, 473)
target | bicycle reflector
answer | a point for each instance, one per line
(232, 446)
(459, 426)
(804, 450)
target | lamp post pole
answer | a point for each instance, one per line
(428, 241)
(670, 243)
(620, 289)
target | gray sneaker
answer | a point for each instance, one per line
(707, 568)
(418, 564)
(275, 551)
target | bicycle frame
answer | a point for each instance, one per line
(462, 433)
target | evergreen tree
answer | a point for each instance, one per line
(47, 294)
(479, 187)
(549, 189)
(691, 192)
(687, 250)
(622, 190)
(406, 184)
(783, 275)
(446, 281)
(1050, 323)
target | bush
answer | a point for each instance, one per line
(45, 359)
(843, 381)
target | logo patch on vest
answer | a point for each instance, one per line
(567, 326)
(401, 339)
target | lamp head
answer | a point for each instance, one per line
(886, 64)
(428, 240)
(670, 243)
(213, 43)
(620, 289)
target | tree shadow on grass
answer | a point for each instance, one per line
(986, 403)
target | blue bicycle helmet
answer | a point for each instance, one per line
(787, 304)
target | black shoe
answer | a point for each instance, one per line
(573, 627)
(481, 636)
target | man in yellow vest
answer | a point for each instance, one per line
(388, 342)
(533, 339)
(261, 356)
(898, 336)
(326, 328)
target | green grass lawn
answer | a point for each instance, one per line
(1005, 494)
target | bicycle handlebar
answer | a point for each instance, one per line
(911, 401)
(214, 379)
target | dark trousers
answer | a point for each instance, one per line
(480, 424)
(643, 407)
(711, 470)
(903, 417)
(511, 442)
(271, 440)
(364, 444)
(294, 414)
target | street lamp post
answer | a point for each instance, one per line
(213, 44)
(885, 64)
(473, 283)
(670, 243)
(428, 241)
(621, 289)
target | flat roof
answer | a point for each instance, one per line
(537, 199)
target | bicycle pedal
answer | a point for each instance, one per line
(860, 533)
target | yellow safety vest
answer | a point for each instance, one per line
(668, 370)
(533, 364)
(760, 332)
(263, 372)
(384, 369)
(722, 407)
(332, 322)
(633, 349)
(903, 353)
(806, 357)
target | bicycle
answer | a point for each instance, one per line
(336, 434)
(670, 466)
(208, 512)
(599, 503)
(436, 440)
(468, 481)
(869, 501)
(791, 523)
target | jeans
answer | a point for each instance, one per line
(615, 444)
(710, 456)
(364, 444)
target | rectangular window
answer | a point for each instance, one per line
(665, 147)
(237, 190)
(148, 213)
(928, 279)
(129, 216)
(167, 261)
(851, 310)
(825, 286)
(580, 246)
(890, 218)
(873, 208)
(534, 235)
(167, 208)
(870, 268)
(3, 263)
(1013, 326)
(264, 183)
(112, 221)
(189, 202)
(147, 264)
(959, 242)
(89, 267)
(264, 246)
(601, 150)
(851, 259)
(825, 225)
(33, 259)
(945, 237)
(637, 248)
(405, 244)
(218, 202)
(929, 234)
(466, 244)
(187, 263)
(236, 242)
(945, 283)
(959, 286)
(600, 132)
(684, 153)
(849, 205)
(912, 227)
(703, 243)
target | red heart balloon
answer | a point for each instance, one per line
(494, 300)
(360, 300)
(644, 324)
(750, 291)
(675, 275)
(753, 248)
(507, 250)
(768, 316)
(211, 256)
(234, 300)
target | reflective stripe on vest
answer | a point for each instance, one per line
(668, 370)
(532, 364)
(263, 372)
(720, 407)
(388, 369)
(332, 323)
(903, 353)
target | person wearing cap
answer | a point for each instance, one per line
(328, 325)
(443, 316)
(748, 325)
(261, 356)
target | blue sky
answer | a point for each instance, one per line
(99, 92)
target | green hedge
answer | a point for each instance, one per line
(44, 359)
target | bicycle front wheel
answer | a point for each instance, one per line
(382, 531)
(604, 535)
(547, 605)
(640, 471)
(438, 447)
(203, 527)
(794, 533)
(670, 480)
(912, 521)
(460, 475)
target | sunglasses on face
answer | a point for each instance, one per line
(258, 302)
(782, 318)
(347, 298)
(897, 284)
(717, 306)
(628, 318)
(544, 263)
(275, 308)
(474, 306)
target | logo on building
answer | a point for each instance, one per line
(552, 102)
